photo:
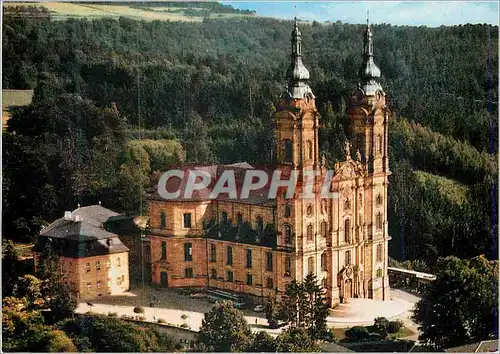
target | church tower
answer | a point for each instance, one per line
(297, 124)
(297, 117)
(369, 117)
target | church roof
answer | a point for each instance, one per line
(258, 196)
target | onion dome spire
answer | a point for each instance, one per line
(369, 72)
(297, 74)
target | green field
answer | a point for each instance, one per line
(62, 11)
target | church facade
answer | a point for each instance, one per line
(258, 245)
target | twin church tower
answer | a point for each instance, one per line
(255, 247)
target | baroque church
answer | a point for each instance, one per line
(256, 246)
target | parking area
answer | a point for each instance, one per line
(166, 298)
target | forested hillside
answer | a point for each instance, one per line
(214, 85)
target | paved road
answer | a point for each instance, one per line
(172, 305)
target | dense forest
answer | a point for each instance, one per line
(116, 100)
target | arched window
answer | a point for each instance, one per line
(347, 204)
(224, 217)
(323, 228)
(323, 262)
(347, 230)
(260, 225)
(163, 220)
(309, 149)
(310, 232)
(347, 258)
(240, 219)
(309, 210)
(379, 143)
(379, 221)
(287, 151)
(288, 266)
(287, 232)
(379, 253)
(379, 199)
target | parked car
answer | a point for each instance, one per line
(239, 305)
(259, 308)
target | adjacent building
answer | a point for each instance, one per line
(257, 246)
(94, 261)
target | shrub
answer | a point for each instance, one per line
(329, 335)
(112, 314)
(380, 325)
(394, 326)
(375, 337)
(357, 334)
(139, 309)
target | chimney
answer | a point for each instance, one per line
(67, 215)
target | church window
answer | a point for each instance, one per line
(288, 211)
(310, 232)
(224, 217)
(347, 204)
(287, 230)
(288, 265)
(347, 230)
(287, 151)
(379, 199)
(323, 206)
(309, 210)
(163, 220)
(323, 228)
(310, 265)
(379, 221)
(379, 273)
(360, 144)
(323, 262)
(379, 253)
(260, 225)
(379, 144)
(269, 262)
(347, 259)
(240, 219)
(310, 149)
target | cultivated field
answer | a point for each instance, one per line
(62, 11)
